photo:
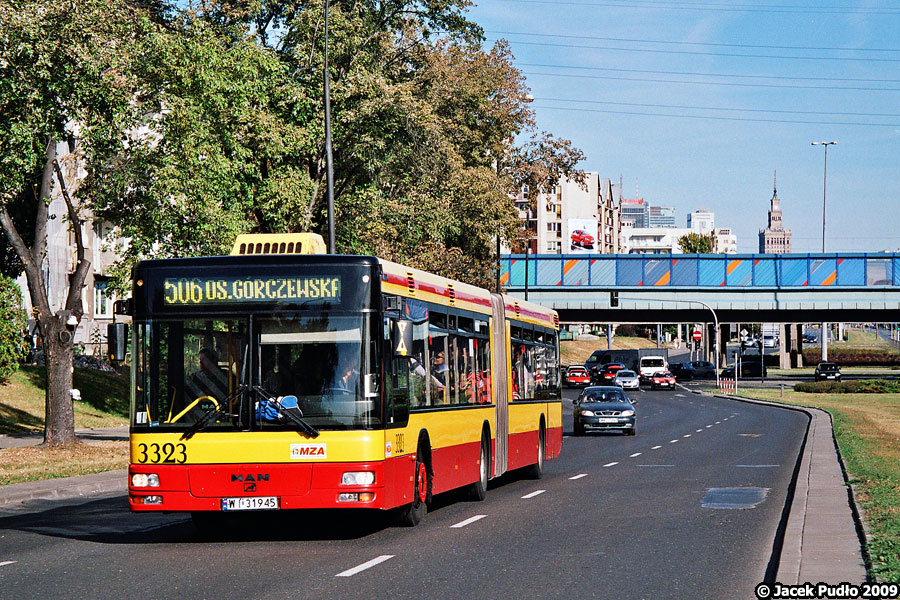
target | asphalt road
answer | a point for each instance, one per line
(614, 517)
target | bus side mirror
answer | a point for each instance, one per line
(123, 307)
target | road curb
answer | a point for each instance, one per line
(17, 495)
(823, 538)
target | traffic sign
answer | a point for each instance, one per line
(697, 335)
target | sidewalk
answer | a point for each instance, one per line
(16, 495)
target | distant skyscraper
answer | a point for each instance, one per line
(634, 212)
(775, 239)
(661, 216)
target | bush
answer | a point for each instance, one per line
(860, 386)
(12, 327)
(854, 356)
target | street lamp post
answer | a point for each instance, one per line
(824, 200)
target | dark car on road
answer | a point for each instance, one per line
(682, 371)
(603, 408)
(750, 368)
(828, 371)
(605, 374)
(703, 369)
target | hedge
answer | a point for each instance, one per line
(853, 356)
(857, 386)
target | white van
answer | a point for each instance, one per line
(651, 365)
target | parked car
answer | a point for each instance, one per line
(703, 369)
(577, 376)
(828, 371)
(665, 379)
(749, 368)
(582, 238)
(682, 371)
(607, 373)
(626, 378)
(603, 408)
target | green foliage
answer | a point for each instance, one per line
(842, 355)
(694, 243)
(12, 327)
(857, 386)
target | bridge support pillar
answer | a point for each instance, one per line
(795, 336)
(784, 343)
(724, 336)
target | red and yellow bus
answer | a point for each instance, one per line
(272, 379)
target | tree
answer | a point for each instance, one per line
(694, 243)
(12, 327)
(66, 94)
(424, 129)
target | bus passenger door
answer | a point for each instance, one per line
(500, 387)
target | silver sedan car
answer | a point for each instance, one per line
(627, 379)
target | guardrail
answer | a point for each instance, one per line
(701, 270)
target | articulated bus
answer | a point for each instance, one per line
(277, 379)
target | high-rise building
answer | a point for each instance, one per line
(701, 220)
(775, 239)
(634, 212)
(660, 216)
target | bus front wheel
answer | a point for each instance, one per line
(413, 513)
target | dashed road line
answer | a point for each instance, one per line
(656, 465)
(718, 422)
(686, 435)
(635, 454)
(468, 521)
(708, 426)
(7, 562)
(579, 476)
(612, 464)
(533, 494)
(672, 441)
(699, 431)
(365, 565)
(656, 447)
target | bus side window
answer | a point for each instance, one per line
(439, 378)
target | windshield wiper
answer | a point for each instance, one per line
(213, 414)
(292, 413)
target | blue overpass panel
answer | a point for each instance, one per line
(517, 273)
(822, 271)
(793, 272)
(603, 272)
(764, 273)
(739, 272)
(684, 271)
(630, 272)
(851, 271)
(576, 271)
(897, 271)
(657, 271)
(878, 271)
(711, 272)
(548, 272)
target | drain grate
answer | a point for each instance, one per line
(734, 498)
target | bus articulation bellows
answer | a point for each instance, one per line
(288, 381)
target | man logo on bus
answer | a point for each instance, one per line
(313, 451)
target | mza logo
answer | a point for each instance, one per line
(310, 451)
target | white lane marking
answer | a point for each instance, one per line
(635, 454)
(687, 435)
(673, 441)
(612, 464)
(533, 494)
(708, 426)
(656, 447)
(656, 465)
(579, 476)
(679, 395)
(718, 422)
(756, 466)
(365, 565)
(468, 521)
(8, 562)
(725, 419)
(699, 431)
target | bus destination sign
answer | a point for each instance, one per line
(197, 291)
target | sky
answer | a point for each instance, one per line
(695, 104)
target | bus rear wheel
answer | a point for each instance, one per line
(413, 513)
(478, 490)
(537, 469)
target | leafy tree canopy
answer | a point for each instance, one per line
(694, 243)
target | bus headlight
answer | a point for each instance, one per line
(144, 480)
(358, 478)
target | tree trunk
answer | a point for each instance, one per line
(59, 350)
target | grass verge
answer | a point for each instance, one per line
(867, 429)
(36, 463)
(104, 402)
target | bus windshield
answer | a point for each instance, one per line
(247, 369)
